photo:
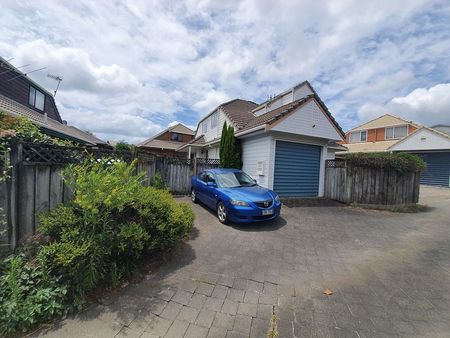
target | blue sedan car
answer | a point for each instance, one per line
(235, 196)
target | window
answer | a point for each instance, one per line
(36, 98)
(176, 137)
(214, 120)
(396, 132)
(205, 126)
(207, 177)
(358, 136)
(235, 179)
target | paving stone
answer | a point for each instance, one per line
(220, 291)
(177, 329)
(207, 277)
(242, 324)
(205, 318)
(217, 332)
(188, 314)
(126, 332)
(236, 334)
(189, 285)
(158, 325)
(197, 301)
(195, 331)
(157, 306)
(268, 299)
(247, 309)
(165, 294)
(240, 284)
(172, 310)
(254, 286)
(205, 289)
(230, 307)
(182, 297)
(235, 295)
(226, 280)
(223, 320)
(214, 304)
(251, 297)
(149, 335)
(264, 311)
(260, 327)
(270, 288)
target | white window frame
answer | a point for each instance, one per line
(214, 120)
(360, 132)
(205, 127)
(394, 137)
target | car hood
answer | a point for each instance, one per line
(249, 194)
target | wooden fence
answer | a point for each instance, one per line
(35, 184)
(370, 186)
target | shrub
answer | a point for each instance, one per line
(97, 239)
(400, 162)
(28, 295)
(158, 182)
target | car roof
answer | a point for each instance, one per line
(222, 170)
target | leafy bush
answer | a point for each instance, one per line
(28, 295)
(400, 162)
(157, 181)
(96, 240)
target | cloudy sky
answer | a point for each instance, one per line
(131, 68)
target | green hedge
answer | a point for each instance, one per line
(400, 162)
(96, 240)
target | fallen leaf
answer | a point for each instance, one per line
(327, 292)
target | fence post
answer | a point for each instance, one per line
(13, 193)
(194, 169)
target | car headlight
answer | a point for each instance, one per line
(239, 203)
(277, 198)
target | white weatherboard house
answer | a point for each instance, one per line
(285, 141)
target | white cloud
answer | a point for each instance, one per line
(146, 63)
(428, 106)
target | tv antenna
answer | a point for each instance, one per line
(56, 78)
(25, 74)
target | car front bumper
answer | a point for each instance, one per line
(238, 214)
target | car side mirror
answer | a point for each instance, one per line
(255, 181)
(211, 184)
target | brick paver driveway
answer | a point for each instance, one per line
(389, 274)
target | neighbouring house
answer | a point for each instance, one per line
(166, 142)
(21, 96)
(285, 140)
(434, 147)
(444, 128)
(390, 133)
(378, 134)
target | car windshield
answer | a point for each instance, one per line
(234, 180)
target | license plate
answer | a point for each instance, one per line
(267, 212)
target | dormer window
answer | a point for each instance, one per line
(36, 98)
(176, 137)
(358, 136)
(205, 127)
(213, 120)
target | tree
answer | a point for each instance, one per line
(230, 149)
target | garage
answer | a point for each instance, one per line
(438, 169)
(297, 169)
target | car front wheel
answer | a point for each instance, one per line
(193, 196)
(222, 213)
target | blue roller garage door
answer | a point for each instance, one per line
(438, 169)
(297, 169)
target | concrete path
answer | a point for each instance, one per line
(389, 273)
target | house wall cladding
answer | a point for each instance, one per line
(370, 186)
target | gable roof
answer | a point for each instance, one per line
(280, 112)
(415, 132)
(177, 128)
(386, 120)
(239, 111)
(54, 127)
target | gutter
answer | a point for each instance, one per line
(248, 131)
